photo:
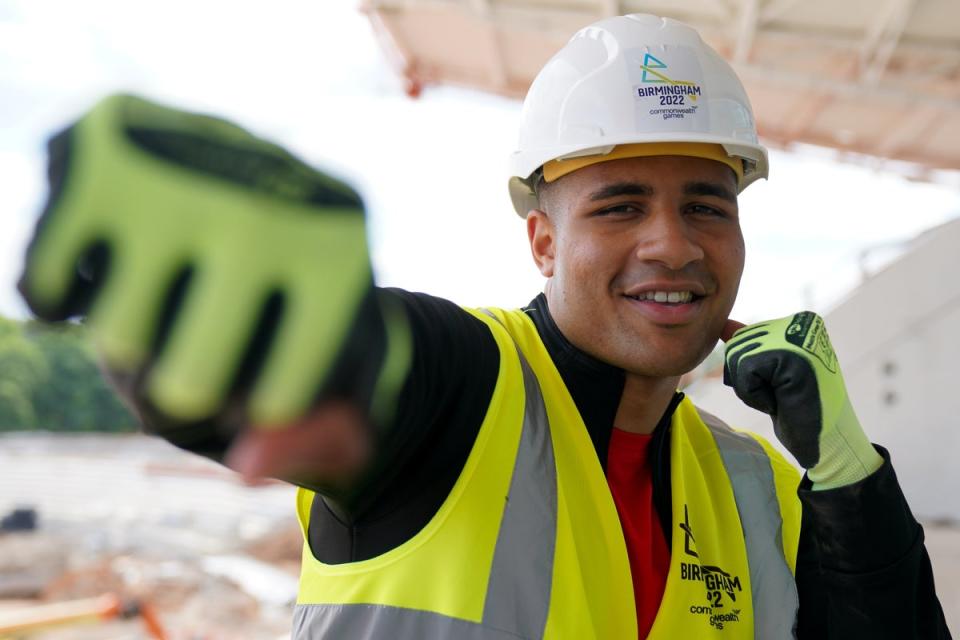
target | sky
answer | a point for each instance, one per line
(311, 76)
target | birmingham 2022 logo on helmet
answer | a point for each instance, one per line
(667, 86)
(669, 90)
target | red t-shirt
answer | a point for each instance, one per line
(630, 476)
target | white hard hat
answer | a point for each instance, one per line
(633, 80)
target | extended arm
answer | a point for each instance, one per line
(227, 284)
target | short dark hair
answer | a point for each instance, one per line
(540, 187)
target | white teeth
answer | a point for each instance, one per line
(675, 297)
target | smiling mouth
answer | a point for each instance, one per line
(666, 297)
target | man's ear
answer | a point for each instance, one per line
(542, 235)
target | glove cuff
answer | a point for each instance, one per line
(846, 455)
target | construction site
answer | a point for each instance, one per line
(124, 537)
(144, 542)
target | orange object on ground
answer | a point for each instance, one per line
(88, 610)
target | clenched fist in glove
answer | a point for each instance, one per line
(208, 259)
(787, 369)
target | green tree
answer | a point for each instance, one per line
(75, 396)
(23, 367)
(49, 379)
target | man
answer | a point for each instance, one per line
(489, 473)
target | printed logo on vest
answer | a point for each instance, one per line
(721, 587)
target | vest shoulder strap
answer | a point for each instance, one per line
(761, 478)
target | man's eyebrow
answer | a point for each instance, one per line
(621, 189)
(709, 189)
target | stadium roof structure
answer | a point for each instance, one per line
(876, 80)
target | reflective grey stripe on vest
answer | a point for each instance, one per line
(518, 590)
(775, 600)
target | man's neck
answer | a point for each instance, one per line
(643, 402)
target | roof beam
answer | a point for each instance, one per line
(775, 9)
(797, 127)
(398, 58)
(915, 127)
(731, 7)
(747, 30)
(496, 67)
(929, 161)
(881, 39)
(812, 83)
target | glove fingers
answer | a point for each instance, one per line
(746, 335)
(124, 315)
(751, 381)
(64, 265)
(327, 274)
(89, 274)
(207, 341)
(785, 387)
(304, 352)
(733, 357)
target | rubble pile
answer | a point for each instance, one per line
(147, 530)
(133, 528)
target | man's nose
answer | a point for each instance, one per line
(667, 239)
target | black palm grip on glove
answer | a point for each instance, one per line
(788, 369)
(783, 386)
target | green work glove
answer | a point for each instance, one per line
(174, 232)
(787, 368)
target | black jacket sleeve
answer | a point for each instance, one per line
(418, 455)
(862, 568)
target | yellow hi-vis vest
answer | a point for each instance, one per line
(528, 543)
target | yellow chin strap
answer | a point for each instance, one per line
(555, 169)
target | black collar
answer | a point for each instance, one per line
(596, 386)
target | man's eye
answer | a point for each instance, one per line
(618, 209)
(707, 211)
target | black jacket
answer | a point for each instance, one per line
(862, 568)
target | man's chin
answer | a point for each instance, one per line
(668, 366)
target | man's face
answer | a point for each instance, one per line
(644, 258)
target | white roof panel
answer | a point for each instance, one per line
(875, 77)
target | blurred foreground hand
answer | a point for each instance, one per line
(206, 260)
(331, 445)
(787, 369)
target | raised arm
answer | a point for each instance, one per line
(862, 567)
